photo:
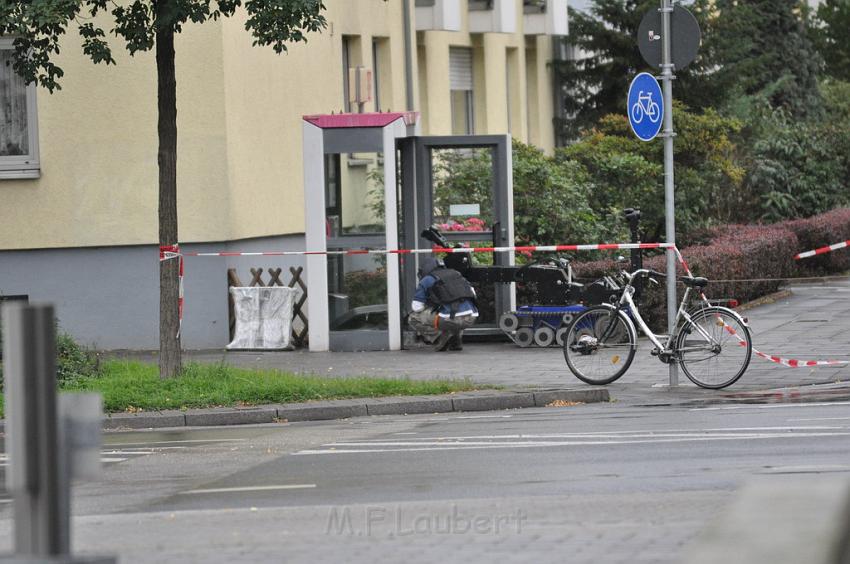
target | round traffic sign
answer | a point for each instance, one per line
(645, 106)
(685, 37)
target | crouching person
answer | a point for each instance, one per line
(443, 306)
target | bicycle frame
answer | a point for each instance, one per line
(626, 300)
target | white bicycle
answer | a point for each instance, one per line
(712, 345)
(645, 107)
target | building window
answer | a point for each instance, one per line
(19, 131)
(460, 80)
(376, 65)
(346, 64)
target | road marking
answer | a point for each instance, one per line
(771, 406)
(624, 439)
(616, 434)
(822, 419)
(483, 416)
(827, 468)
(249, 489)
(460, 445)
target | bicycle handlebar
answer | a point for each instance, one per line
(643, 272)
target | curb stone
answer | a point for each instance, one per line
(234, 416)
(492, 402)
(322, 411)
(409, 406)
(145, 420)
(343, 409)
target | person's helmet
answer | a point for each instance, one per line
(427, 265)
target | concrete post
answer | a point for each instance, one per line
(37, 477)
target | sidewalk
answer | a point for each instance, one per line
(813, 323)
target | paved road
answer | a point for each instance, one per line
(596, 483)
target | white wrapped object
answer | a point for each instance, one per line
(263, 317)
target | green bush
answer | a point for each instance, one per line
(73, 361)
(366, 287)
(553, 201)
(626, 172)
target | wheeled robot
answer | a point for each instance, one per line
(555, 298)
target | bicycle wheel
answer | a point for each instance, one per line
(599, 345)
(637, 113)
(719, 361)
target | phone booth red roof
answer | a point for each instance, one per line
(338, 121)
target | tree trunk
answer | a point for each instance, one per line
(169, 321)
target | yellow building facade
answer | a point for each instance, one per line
(88, 183)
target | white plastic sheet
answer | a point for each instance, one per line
(263, 317)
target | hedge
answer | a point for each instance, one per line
(819, 231)
(743, 252)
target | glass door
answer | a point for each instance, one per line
(461, 187)
(354, 219)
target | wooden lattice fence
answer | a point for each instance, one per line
(299, 330)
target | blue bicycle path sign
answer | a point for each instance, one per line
(645, 106)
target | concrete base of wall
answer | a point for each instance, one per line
(108, 297)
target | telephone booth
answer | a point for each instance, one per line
(372, 182)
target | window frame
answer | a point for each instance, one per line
(27, 166)
(346, 66)
(376, 90)
(468, 93)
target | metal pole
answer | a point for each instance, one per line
(37, 476)
(408, 53)
(669, 207)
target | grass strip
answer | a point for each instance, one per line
(136, 386)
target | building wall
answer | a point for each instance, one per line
(108, 297)
(84, 234)
(513, 90)
(239, 142)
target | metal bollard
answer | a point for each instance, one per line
(36, 476)
(47, 442)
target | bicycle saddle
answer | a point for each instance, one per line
(694, 282)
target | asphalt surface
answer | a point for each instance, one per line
(592, 483)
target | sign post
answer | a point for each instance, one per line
(669, 207)
(668, 38)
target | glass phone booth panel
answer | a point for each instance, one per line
(461, 185)
(354, 219)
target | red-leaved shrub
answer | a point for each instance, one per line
(742, 262)
(820, 231)
(745, 253)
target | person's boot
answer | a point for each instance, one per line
(443, 341)
(456, 343)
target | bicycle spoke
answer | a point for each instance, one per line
(719, 360)
(599, 346)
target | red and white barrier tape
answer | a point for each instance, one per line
(173, 251)
(822, 250)
(789, 362)
(433, 250)
(168, 252)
